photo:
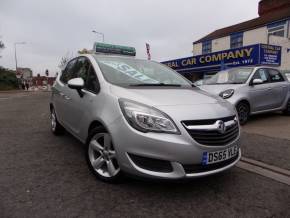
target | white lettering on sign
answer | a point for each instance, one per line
(129, 71)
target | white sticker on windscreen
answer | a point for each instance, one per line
(129, 71)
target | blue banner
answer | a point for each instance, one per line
(245, 56)
(270, 55)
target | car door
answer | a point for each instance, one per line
(60, 91)
(78, 106)
(279, 88)
(73, 98)
(260, 94)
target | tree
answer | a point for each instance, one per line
(64, 60)
(8, 79)
(84, 51)
(2, 46)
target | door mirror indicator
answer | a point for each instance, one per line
(257, 81)
(77, 84)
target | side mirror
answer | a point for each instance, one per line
(257, 81)
(77, 84)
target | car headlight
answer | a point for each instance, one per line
(147, 119)
(227, 93)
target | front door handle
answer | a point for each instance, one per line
(269, 88)
(66, 97)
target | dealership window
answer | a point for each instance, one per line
(206, 47)
(277, 29)
(237, 40)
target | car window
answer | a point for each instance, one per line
(275, 76)
(81, 68)
(230, 76)
(92, 83)
(68, 72)
(84, 69)
(261, 74)
(287, 76)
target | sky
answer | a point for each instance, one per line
(56, 28)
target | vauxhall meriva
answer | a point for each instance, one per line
(141, 118)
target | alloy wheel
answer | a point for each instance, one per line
(243, 112)
(102, 155)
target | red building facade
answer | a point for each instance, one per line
(43, 81)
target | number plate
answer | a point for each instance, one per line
(219, 156)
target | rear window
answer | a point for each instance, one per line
(275, 76)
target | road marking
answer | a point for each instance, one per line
(269, 171)
(14, 96)
(267, 166)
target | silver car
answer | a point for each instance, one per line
(141, 118)
(251, 90)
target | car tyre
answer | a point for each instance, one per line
(287, 110)
(101, 156)
(56, 127)
(243, 110)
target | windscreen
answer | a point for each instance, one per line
(130, 71)
(230, 76)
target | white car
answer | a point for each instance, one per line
(251, 90)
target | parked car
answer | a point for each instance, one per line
(142, 118)
(251, 90)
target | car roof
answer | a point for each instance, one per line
(96, 55)
(256, 67)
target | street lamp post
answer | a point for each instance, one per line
(15, 52)
(102, 34)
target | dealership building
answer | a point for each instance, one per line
(261, 41)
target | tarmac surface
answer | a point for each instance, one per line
(42, 175)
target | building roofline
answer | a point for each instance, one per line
(247, 25)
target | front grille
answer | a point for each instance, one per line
(207, 121)
(199, 168)
(212, 137)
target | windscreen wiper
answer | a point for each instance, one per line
(155, 84)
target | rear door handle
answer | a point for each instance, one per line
(64, 96)
(269, 88)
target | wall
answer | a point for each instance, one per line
(197, 49)
(255, 36)
(251, 37)
(221, 44)
(217, 45)
(285, 43)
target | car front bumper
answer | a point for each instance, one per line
(180, 151)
